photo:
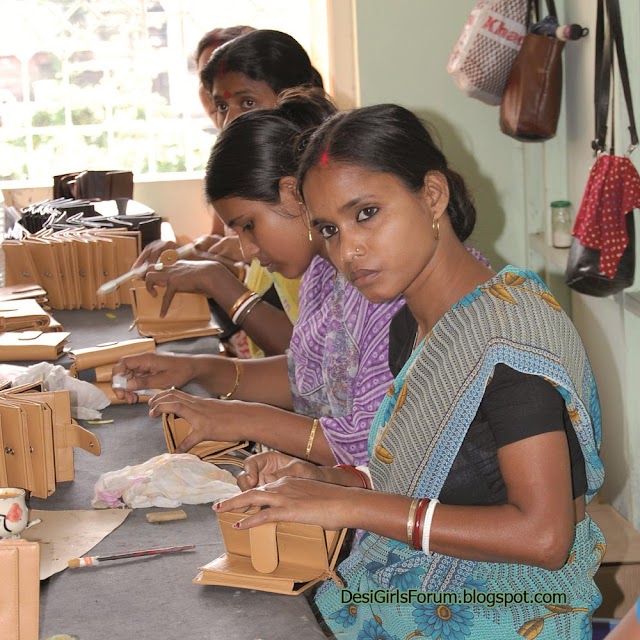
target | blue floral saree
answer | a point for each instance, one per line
(414, 439)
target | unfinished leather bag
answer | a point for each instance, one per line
(283, 557)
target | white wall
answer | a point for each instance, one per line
(402, 50)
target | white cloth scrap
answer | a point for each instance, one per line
(167, 480)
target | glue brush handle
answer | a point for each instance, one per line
(93, 560)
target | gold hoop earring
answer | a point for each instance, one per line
(306, 211)
(435, 225)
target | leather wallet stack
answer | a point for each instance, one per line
(26, 292)
(71, 264)
(37, 438)
(283, 557)
(177, 429)
(17, 315)
(95, 364)
(20, 602)
(189, 315)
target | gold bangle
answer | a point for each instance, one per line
(236, 384)
(411, 520)
(236, 305)
(312, 435)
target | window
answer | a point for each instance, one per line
(112, 83)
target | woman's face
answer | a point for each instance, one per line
(234, 94)
(378, 233)
(277, 235)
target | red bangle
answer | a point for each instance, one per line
(417, 535)
(360, 474)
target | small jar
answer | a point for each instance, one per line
(561, 224)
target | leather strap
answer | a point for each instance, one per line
(615, 21)
(264, 547)
(76, 436)
(608, 33)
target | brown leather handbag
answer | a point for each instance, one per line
(283, 557)
(20, 601)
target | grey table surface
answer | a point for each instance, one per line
(150, 597)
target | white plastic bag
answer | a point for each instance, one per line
(482, 57)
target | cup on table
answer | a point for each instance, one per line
(14, 514)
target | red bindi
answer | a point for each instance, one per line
(226, 94)
(324, 158)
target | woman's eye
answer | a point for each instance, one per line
(366, 213)
(249, 103)
(247, 226)
(221, 107)
(327, 231)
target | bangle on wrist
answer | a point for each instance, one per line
(246, 309)
(236, 305)
(411, 521)
(360, 474)
(236, 384)
(417, 529)
(312, 436)
(241, 311)
(426, 525)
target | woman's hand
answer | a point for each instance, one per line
(225, 247)
(294, 500)
(192, 276)
(270, 466)
(152, 251)
(210, 419)
(152, 371)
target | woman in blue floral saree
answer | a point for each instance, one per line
(440, 557)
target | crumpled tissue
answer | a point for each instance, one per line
(86, 399)
(167, 480)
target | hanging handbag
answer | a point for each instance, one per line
(532, 97)
(602, 255)
(482, 57)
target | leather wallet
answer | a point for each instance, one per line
(108, 353)
(16, 315)
(38, 435)
(283, 557)
(32, 345)
(20, 267)
(20, 602)
(188, 316)
(176, 429)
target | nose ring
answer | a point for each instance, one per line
(357, 249)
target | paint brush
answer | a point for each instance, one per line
(89, 561)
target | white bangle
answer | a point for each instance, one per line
(365, 469)
(426, 526)
(240, 310)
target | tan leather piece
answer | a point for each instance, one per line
(20, 601)
(108, 353)
(32, 345)
(176, 429)
(189, 315)
(17, 315)
(20, 267)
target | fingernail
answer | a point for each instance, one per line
(236, 525)
(216, 505)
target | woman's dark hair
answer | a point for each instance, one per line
(217, 37)
(387, 138)
(264, 56)
(257, 149)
